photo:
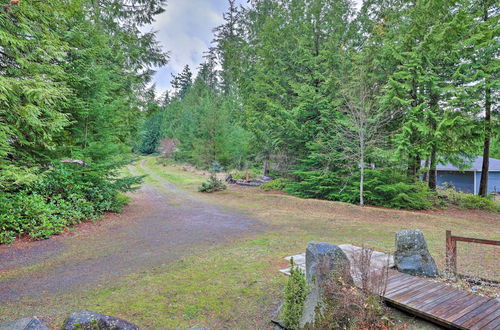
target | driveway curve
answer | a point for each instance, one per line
(162, 224)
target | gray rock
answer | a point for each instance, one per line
(87, 320)
(23, 324)
(323, 261)
(412, 256)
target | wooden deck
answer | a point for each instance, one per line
(442, 304)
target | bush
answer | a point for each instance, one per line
(295, 297)
(213, 183)
(64, 195)
(278, 184)
(389, 188)
(468, 201)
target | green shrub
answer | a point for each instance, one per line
(213, 183)
(317, 184)
(64, 195)
(389, 188)
(6, 236)
(468, 201)
(295, 297)
(278, 184)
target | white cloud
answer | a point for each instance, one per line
(185, 30)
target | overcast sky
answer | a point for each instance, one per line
(185, 30)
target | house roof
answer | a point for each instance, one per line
(475, 166)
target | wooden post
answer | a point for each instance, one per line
(451, 253)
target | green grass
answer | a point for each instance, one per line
(174, 174)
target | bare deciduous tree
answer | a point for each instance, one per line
(359, 130)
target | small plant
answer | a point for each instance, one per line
(214, 184)
(277, 185)
(295, 296)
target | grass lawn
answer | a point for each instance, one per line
(237, 285)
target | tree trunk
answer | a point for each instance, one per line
(483, 185)
(361, 184)
(265, 168)
(432, 170)
(434, 105)
(362, 146)
(426, 174)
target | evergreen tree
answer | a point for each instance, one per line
(182, 82)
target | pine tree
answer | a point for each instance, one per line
(182, 82)
(32, 88)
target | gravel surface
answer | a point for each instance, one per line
(161, 225)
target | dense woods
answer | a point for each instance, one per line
(356, 106)
(71, 80)
(342, 104)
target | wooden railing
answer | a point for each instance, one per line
(451, 248)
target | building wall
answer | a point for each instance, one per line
(493, 182)
(462, 181)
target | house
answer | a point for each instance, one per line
(468, 180)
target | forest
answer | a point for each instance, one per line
(72, 76)
(341, 104)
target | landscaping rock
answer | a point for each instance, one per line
(323, 260)
(412, 256)
(230, 179)
(23, 324)
(87, 320)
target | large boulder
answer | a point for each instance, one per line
(412, 256)
(87, 320)
(23, 324)
(323, 262)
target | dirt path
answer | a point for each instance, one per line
(162, 225)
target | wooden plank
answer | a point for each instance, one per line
(397, 285)
(476, 315)
(455, 302)
(475, 240)
(400, 288)
(419, 313)
(403, 286)
(467, 308)
(461, 307)
(435, 297)
(402, 296)
(429, 292)
(481, 324)
(398, 280)
(441, 303)
(415, 287)
(408, 284)
(493, 325)
(442, 297)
